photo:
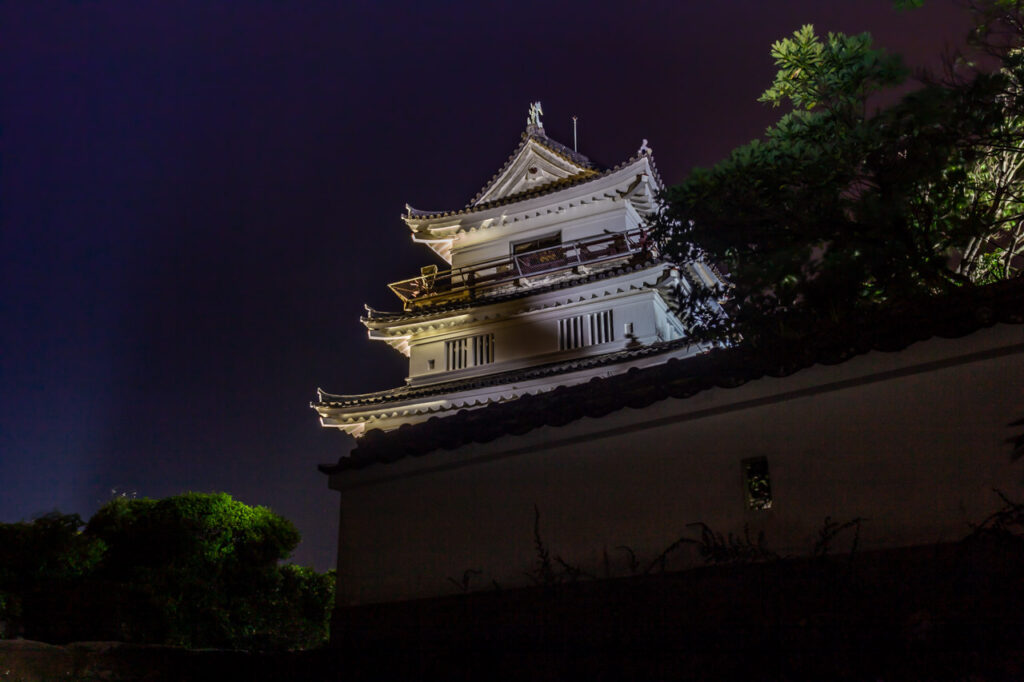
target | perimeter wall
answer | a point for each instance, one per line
(912, 442)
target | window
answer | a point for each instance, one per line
(455, 354)
(469, 351)
(483, 349)
(545, 242)
(585, 330)
(757, 483)
(539, 255)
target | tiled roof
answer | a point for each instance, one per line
(403, 393)
(548, 188)
(553, 146)
(617, 268)
(957, 314)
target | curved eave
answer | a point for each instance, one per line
(441, 246)
(508, 383)
(456, 313)
(354, 420)
(447, 224)
(399, 342)
(953, 315)
(358, 415)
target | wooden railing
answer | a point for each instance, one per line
(433, 287)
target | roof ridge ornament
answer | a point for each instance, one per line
(644, 149)
(533, 123)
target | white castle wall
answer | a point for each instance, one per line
(578, 222)
(532, 338)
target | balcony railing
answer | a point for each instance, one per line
(433, 287)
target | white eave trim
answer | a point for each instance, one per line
(442, 246)
(399, 343)
(599, 189)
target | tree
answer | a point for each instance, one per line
(840, 210)
(994, 183)
(197, 570)
(209, 566)
(48, 549)
(47, 554)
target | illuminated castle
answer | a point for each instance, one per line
(550, 374)
(553, 282)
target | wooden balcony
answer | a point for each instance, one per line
(434, 287)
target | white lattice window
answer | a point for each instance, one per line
(469, 351)
(585, 330)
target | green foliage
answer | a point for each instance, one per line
(191, 533)
(49, 550)
(838, 210)
(835, 75)
(207, 562)
(303, 601)
(196, 570)
(47, 556)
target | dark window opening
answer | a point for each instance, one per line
(545, 242)
(757, 483)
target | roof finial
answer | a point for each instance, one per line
(644, 149)
(533, 124)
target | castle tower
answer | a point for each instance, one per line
(552, 281)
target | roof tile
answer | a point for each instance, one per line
(949, 316)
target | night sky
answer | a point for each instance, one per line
(197, 198)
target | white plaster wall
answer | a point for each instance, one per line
(575, 223)
(914, 448)
(533, 338)
(420, 356)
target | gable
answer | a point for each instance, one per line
(535, 164)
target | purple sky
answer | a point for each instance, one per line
(197, 198)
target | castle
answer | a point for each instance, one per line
(551, 382)
(553, 281)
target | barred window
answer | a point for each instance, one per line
(469, 351)
(483, 349)
(585, 330)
